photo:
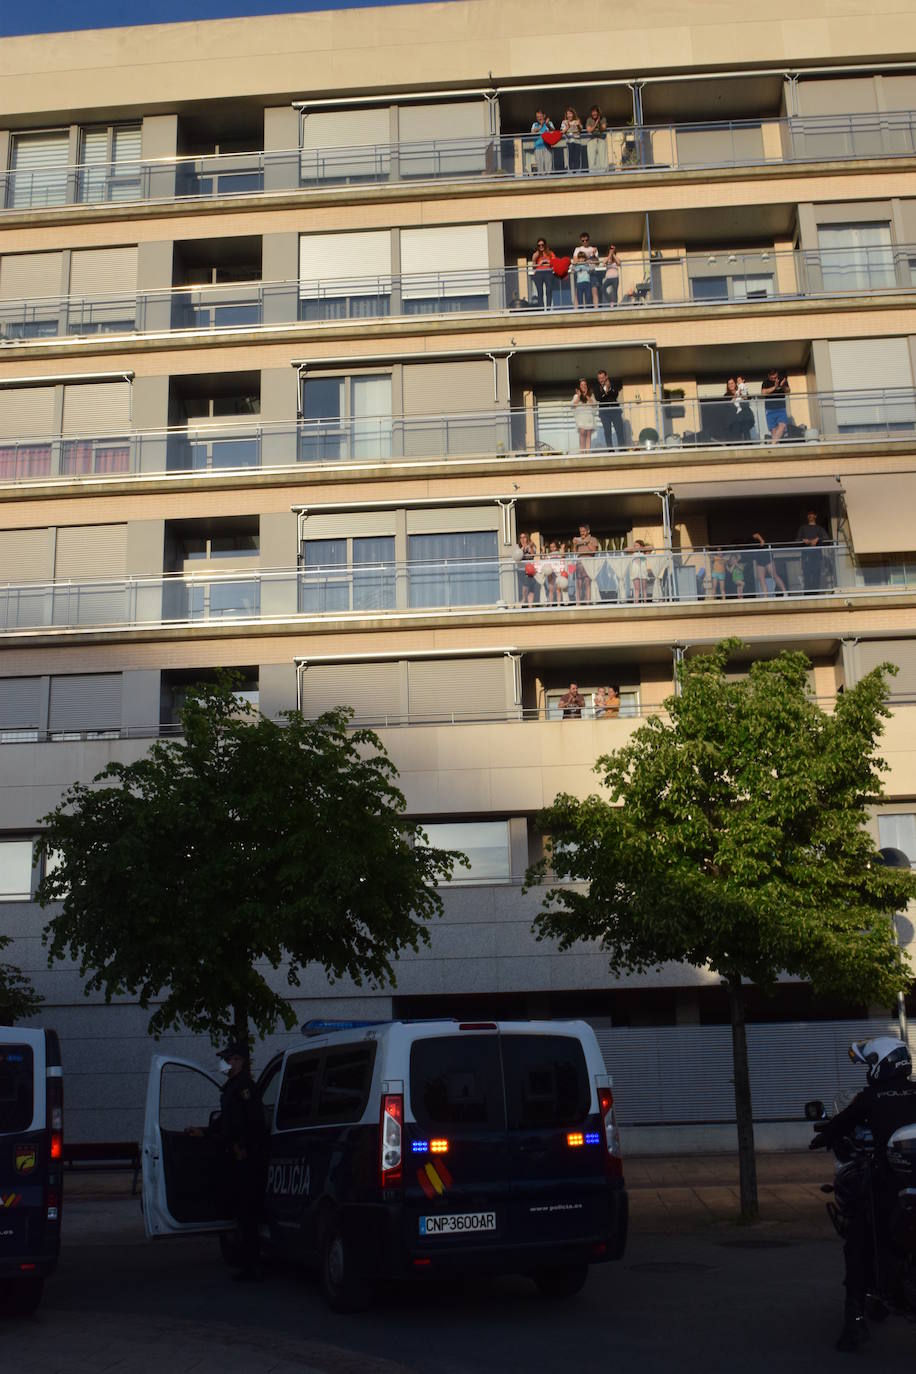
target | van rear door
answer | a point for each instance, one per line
(24, 1143)
(557, 1171)
(456, 1163)
(183, 1174)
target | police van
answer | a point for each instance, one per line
(402, 1149)
(31, 1164)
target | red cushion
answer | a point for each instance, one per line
(551, 137)
(561, 266)
(530, 570)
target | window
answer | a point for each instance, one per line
(486, 844)
(16, 1088)
(898, 831)
(457, 1081)
(297, 1094)
(38, 163)
(269, 1087)
(856, 257)
(348, 574)
(15, 870)
(629, 701)
(346, 417)
(211, 600)
(110, 163)
(345, 276)
(345, 1083)
(546, 1080)
(241, 545)
(746, 287)
(453, 569)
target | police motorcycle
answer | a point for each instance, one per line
(873, 1193)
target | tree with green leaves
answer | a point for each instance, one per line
(246, 845)
(18, 999)
(734, 839)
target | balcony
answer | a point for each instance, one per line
(620, 579)
(723, 277)
(664, 148)
(546, 432)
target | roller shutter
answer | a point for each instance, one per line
(27, 412)
(445, 388)
(85, 701)
(29, 276)
(103, 272)
(346, 145)
(372, 689)
(718, 147)
(453, 249)
(452, 519)
(90, 552)
(875, 365)
(39, 162)
(880, 511)
(25, 556)
(360, 262)
(458, 131)
(469, 688)
(871, 652)
(837, 96)
(96, 408)
(349, 523)
(19, 703)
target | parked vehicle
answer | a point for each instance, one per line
(31, 1167)
(411, 1149)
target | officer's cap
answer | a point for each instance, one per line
(236, 1049)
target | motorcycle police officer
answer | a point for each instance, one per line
(886, 1103)
(243, 1133)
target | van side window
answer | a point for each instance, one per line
(268, 1087)
(16, 1096)
(297, 1093)
(546, 1081)
(345, 1083)
(457, 1081)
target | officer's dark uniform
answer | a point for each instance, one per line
(244, 1136)
(883, 1108)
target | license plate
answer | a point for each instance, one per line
(457, 1223)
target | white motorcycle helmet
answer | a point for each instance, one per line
(884, 1058)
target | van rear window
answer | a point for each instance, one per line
(297, 1093)
(546, 1081)
(16, 1092)
(457, 1081)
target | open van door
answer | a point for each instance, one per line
(184, 1175)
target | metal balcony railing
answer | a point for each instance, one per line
(707, 279)
(548, 430)
(657, 147)
(623, 577)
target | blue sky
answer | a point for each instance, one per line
(53, 16)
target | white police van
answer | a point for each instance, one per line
(418, 1149)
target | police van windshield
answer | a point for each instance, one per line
(16, 1094)
(491, 1081)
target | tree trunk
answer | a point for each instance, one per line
(240, 1023)
(747, 1163)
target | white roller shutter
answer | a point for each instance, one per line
(372, 689)
(39, 162)
(452, 519)
(25, 276)
(359, 262)
(25, 556)
(85, 701)
(96, 408)
(452, 119)
(103, 272)
(27, 412)
(349, 522)
(19, 703)
(871, 652)
(446, 388)
(346, 145)
(877, 365)
(89, 552)
(470, 688)
(455, 248)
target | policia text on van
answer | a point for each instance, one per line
(412, 1149)
(31, 1164)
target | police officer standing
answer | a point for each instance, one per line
(242, 1131)
(883, 1106)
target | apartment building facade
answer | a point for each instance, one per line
(281, 390)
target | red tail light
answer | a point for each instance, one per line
(613, 1161)
(391, 1139)
(54, 1105)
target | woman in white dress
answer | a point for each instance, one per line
(585, 412)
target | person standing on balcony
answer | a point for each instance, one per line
(765, 567)
(585, 411)
(542, 274)
(610, 412)
(812, 538)
(543, 153)
(589, 253)
(596, 148)
(639, 568)
(572, 703)
(740, 417)
(584, 546)
(612, 276)
(775, 389)
(607, 703)
(525, 560)
(572, 130)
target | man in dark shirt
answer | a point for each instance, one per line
(607, 390)
(243, 1133)
(572, 703)
(813, 538)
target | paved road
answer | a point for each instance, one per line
(718, 1298)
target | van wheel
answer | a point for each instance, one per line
(20, 1297)
(343, 1288)
(561, 1283)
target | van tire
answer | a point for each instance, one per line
(561, 1283)
(20, 1297)
(344, 1289)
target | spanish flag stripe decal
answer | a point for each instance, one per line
(443, 1173)
(434, 1179)
(425, 1184)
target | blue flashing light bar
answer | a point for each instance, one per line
(318, 1027)
(593, 1138)
(420, 1147)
